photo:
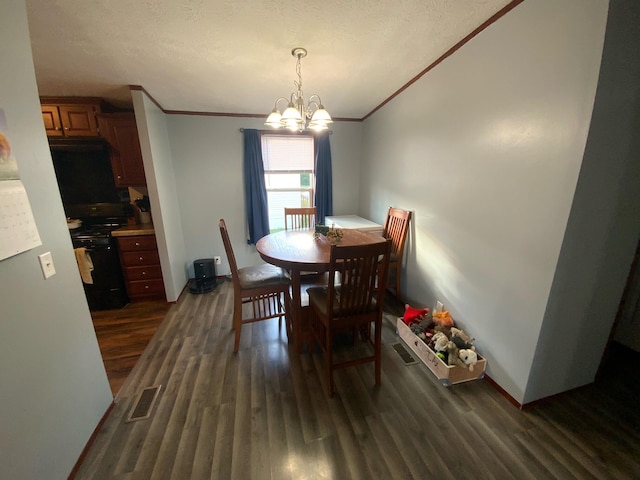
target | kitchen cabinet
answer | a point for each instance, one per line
(121, 132)
(70, 117)
(141, 267)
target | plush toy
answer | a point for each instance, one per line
(461, 339)
(441, 328)
(440, 342)
(443, 318)
(469, 357)
(413, 315)
(422, 326)
(421, 330)
(452, 355)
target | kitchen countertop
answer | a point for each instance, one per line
(131, 230)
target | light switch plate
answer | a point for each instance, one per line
(46, 263)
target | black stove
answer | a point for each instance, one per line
(93, 232)
(106, 288)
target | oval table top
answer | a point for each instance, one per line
(299, 250)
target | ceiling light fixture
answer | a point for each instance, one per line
(297, 115)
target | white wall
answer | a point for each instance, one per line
(346, 153)
(486, 150)
(53, 386)
(604, 224)
(165, 208)
(207, 156)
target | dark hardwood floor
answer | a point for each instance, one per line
(123, 334)
(264, 414)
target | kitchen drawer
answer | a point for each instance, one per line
(148, 272)
(146, 257)
(137, 243)
(145, 287)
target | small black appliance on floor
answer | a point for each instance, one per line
(205, 276)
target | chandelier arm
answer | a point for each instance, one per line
(312, 106)
(275, 106)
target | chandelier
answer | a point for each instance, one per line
(297, 115)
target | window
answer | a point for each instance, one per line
(288, 174)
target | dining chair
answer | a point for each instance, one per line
(266, 287)
(353, 305)
(302, 218)
(299, 218)
(396, 228)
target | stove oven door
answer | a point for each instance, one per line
(107, 290)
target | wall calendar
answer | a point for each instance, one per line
(18, 231)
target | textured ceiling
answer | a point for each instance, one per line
(234, 56)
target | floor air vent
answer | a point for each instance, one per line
(406, 356)
(144, 404)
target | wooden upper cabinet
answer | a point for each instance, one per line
(70, 117)
(121, 132)
(52, 122)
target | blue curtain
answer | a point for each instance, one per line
(324, 182)
(255, 192)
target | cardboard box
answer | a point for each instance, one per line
(448, 375)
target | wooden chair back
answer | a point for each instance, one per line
(300, 218)
(354, 302)
(396, 228)
(362, 273)
(233, 266)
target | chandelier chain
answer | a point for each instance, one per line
(298, 84)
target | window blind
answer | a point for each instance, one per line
(287, 153)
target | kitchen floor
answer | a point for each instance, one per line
(123, 334)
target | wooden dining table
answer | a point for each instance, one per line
(301, 251)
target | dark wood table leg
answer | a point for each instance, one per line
(297, 310)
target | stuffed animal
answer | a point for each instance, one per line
(452, 355)
(440, 342)
(443, 318)
(420, 327)
(413, 315)
(469, 357)
(442, 328)
(422, 330)
(461, 339)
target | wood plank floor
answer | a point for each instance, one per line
(264, 414)
(123, 334)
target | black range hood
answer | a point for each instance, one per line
(84, 173)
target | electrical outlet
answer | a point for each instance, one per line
(439, 306)
(217, 260)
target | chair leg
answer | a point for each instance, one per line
(280, 305)
(377, 348)
(288, 318)
(328, 355)
(237, 321)
(398, 293)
